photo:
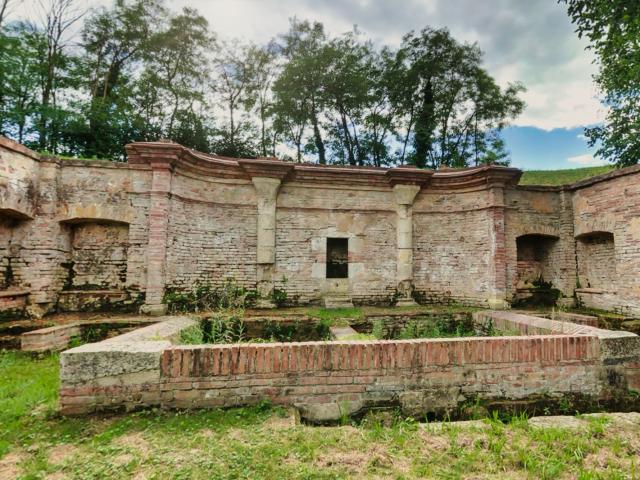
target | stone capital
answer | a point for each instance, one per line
(405, 194)
(266, 187)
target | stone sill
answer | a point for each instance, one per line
(14, 293)
(92, 292)
(594, 291)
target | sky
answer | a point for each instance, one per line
(531, 41)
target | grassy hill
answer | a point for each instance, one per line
(562, 177)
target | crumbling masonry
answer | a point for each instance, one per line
(78, 234)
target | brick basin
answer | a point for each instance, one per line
(424, 377)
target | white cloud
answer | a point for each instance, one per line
(587, 160)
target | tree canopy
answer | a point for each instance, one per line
(86, 83)
(613, 31)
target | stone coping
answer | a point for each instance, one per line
(529, 322)
(14, 293)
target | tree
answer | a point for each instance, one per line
(170, 88)
(5, 9)
(240, 70)
(449, 105)
(59, 16)
(114, 41)
(613, 30)
(300, 83)
(19, 56)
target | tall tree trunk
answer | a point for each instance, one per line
(424, 127)
(318, 141)
(317, 137)
(406, 137)
(347, 138)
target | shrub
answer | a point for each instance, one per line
(204, 297)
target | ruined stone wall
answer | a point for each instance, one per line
(71, 224)
(544, 212)
(211, 234)
(171, 218)
(452, 254)
(611, 206)
(306, 217)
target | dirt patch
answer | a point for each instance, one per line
(206, 433)
(123, 459)
(60, 453)
(277, 422)
(9, 465)
(354, 462)
(358, 462)
(134, 441)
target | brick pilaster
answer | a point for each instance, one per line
(157, 246)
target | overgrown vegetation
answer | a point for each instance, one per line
(562, 177)
(441, 327)
(204, 297)
(230, 328)
(263, 442)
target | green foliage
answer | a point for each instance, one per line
(141, 72)
(451, 109)
(613, 29)
(562, 177)
(334, 315)
(297, 332)
(205, 297)
(193, 335)
(224, 328)
(378, 329)
(441, 327)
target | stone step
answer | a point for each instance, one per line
(338, 301)
(342, 333)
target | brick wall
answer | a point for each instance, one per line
(210, 243)
(452, 258)
(190, 222)
(610, 206)
(552, 360)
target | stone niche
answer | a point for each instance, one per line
(13, 295)
(96, 270)
(596, 260)
(535, 268)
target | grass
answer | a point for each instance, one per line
(263, 442)
(562, 177)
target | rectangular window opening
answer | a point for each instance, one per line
(337, 258)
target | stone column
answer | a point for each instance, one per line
(497, 244)
(157, 246)
(267, 193)
(405, 195)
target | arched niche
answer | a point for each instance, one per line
(534, 257)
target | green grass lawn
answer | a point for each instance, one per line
(264, 442)
(562, 177)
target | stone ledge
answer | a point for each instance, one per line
(14, 293)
